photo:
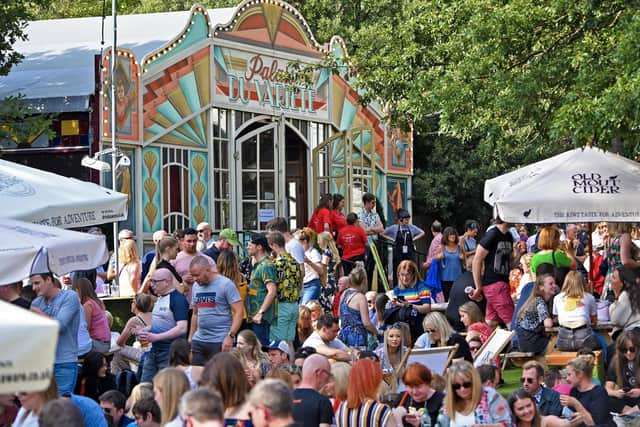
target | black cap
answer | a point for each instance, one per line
(403, 213)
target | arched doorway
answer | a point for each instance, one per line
(271, 177)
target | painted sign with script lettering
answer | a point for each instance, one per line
(250, 80)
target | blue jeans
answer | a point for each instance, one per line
(66, 375)
(310, 291)
(262, 330)
(154, 362)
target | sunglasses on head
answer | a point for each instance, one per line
(526, 380)
(458, 386)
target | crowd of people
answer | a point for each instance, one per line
(295, 335)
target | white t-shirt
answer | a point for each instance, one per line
(31, 420)
(315, 341)
(461, 420)
(294, 247)
(309, 272)
(574, 312)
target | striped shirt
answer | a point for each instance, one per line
(419, 295)
(369, 414)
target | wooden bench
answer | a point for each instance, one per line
(562, 358)
(517, 358)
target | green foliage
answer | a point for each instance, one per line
(82, 8)
(14, 15)
(18, 124)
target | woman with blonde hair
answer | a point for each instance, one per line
(141, 307)
(313, 267)
(168, 387)
(31, 404)
(130, 268)
(336, 388)
(472, 318)
(439, 333)
(391, 353)
(355, 324)
(138, 392)
(258, 362)
(576, 310)
(95, 315)
(467, 402)
(586, 398)
(527, 275)
(167, 251)
(534, 316)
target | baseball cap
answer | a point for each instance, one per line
(403, 213)
(230, 236)
(278, 345)
(259, 239)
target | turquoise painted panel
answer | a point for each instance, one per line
(196, 32)
(199, 202)
(151, 190)
(189, 88)
(324, 76)
(217, 53)
(348, 113)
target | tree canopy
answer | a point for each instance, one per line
(487, 85)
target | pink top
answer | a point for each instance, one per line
(98, 327)
(564, 389)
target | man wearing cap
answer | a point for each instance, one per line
(290, 282)
(403, 235)
(278, 352)
(261, 295)
(217, 312)
(227, 240)
(64, 307)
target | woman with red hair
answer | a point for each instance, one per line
(420, 400)
(362, 407)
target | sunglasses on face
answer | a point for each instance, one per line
(458, 386)
(474, 348)
(526, 380)
(631, 350)
(430, 330)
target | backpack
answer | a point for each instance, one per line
(126, 380)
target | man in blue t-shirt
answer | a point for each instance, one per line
(64, 307)
(169, 322)
(217, 312)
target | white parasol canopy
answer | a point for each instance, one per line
(27, 249)
(580, 185)
(28, 342)
(32, 195)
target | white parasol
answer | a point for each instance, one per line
(33, 195)
(27, 249)
(28, 342)
(580, 185)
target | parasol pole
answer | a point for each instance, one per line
(113, 62)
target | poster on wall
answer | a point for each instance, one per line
(124, 184)
(127, 79)
(396, 196)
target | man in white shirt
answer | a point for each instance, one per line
(325, 339)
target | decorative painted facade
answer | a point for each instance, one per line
(215, 134)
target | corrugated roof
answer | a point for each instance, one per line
(59, 54)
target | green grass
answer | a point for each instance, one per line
(511, 378)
